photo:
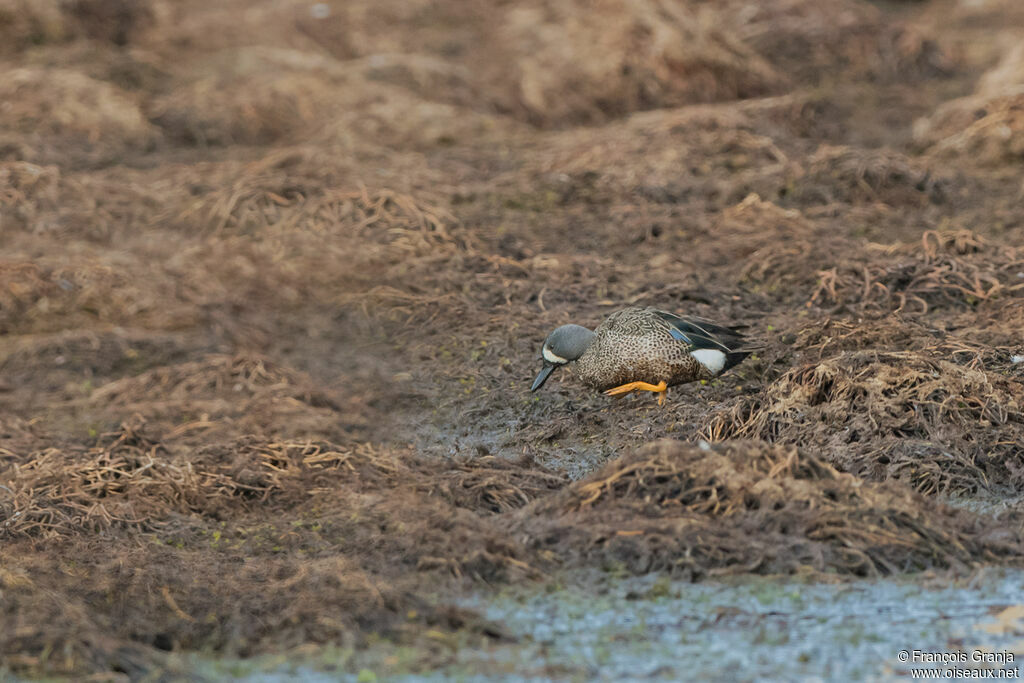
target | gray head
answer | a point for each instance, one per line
(564, 345)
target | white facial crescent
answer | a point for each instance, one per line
(552, 358)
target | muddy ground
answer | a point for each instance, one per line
(274, 278)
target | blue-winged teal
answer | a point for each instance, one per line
(643, 349)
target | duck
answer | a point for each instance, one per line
(643, 349)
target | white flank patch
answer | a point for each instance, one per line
(712, 359)
(552, 358)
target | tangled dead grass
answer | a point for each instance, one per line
(239, 374)
(131, 480)
(655, 56)
(356, 192)
(291, 228)
(42, 297)
(759, 226)
(913, 416)
(115, 21)
(224, 397)
(945, 270)
(489, 483)
(72, 361)
(357, 245)
(251, 96)
(111, 206)
(27, 191)
(744, 507)
(667, 157)
(986, 127)
(340, 537)
(546, 62)
(134, 478)
(276, 196)
(552, 63)
(260, 95)
(342, 533)
(812, 40)
(850, 175)
(72, 117)
(24, 23)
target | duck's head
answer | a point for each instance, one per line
(564, 345)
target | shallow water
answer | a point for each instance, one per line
(649, 628)
(762, 628)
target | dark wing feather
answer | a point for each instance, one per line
(699, 333)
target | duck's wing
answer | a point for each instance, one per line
(699, 333)
(717, 347)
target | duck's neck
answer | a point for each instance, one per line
(586, 341)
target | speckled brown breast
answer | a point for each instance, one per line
(634, 345)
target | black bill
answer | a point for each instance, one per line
(543, 375)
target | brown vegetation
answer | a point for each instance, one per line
(908, 415)
(273, 280)
(749, 507)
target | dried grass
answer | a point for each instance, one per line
(253, 96)
(107, 207)
(272, 197)
(245, 374)
(575, 65)
(186, 30)
(131, 481)
(227, 397)
(544, 62)
(57, 114)
(27, 192)
(989, 130)
(813, 40)
(72, 361)
(24, 23)
(850, 175)
(497, 485)
(337, 537)
(744, 507)
(986, 127)
(549, 62)
(137, 478)
(945, 270)
(755, 225)
(269, 233)
(43, 297)
(114, 21)
(357, 195)
(259, 95)
(913, 416)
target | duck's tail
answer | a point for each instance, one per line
(734, 358)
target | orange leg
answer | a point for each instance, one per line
(660, 388)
